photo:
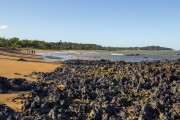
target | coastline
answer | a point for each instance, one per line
(118, 55)
(125, 86)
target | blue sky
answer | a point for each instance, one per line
(118, 23)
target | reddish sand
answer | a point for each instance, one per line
(11, 68)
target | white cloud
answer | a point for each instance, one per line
(2, 27)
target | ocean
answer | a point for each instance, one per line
(120, 55)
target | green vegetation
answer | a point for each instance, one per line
(17, 43)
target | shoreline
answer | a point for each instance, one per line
(119, 55)
(120, 86)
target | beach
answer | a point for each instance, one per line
(34, 88)
(10, 67)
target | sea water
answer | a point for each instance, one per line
(121, 55)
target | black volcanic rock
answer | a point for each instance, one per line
(102, 89)
(149, 113)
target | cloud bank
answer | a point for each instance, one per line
(2, 27)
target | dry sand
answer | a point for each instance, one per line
(8, 100)
(11, 68)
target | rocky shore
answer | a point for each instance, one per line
(98, 90)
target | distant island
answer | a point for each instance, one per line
(37, 44)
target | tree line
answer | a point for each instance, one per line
(37, 44)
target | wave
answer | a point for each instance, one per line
(116, 54)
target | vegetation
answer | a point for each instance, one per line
(17, 43)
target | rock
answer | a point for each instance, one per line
(149, 113)
(105, 90)
(53, 113)
(11, 117)
(44, 108)
(26, 105)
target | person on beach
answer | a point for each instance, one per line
(33, 51)
(27, 51)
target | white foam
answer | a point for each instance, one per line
(116, 54)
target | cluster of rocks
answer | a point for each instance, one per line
(105, 90)
(135, 54)
(6, 113)
(15, 84)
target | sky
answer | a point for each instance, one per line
(116, 23)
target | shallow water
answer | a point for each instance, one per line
(122, 55)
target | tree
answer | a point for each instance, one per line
(3, 42)
(14, 42)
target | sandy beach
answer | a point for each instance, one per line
(12, 68)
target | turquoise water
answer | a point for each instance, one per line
(123, 55)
